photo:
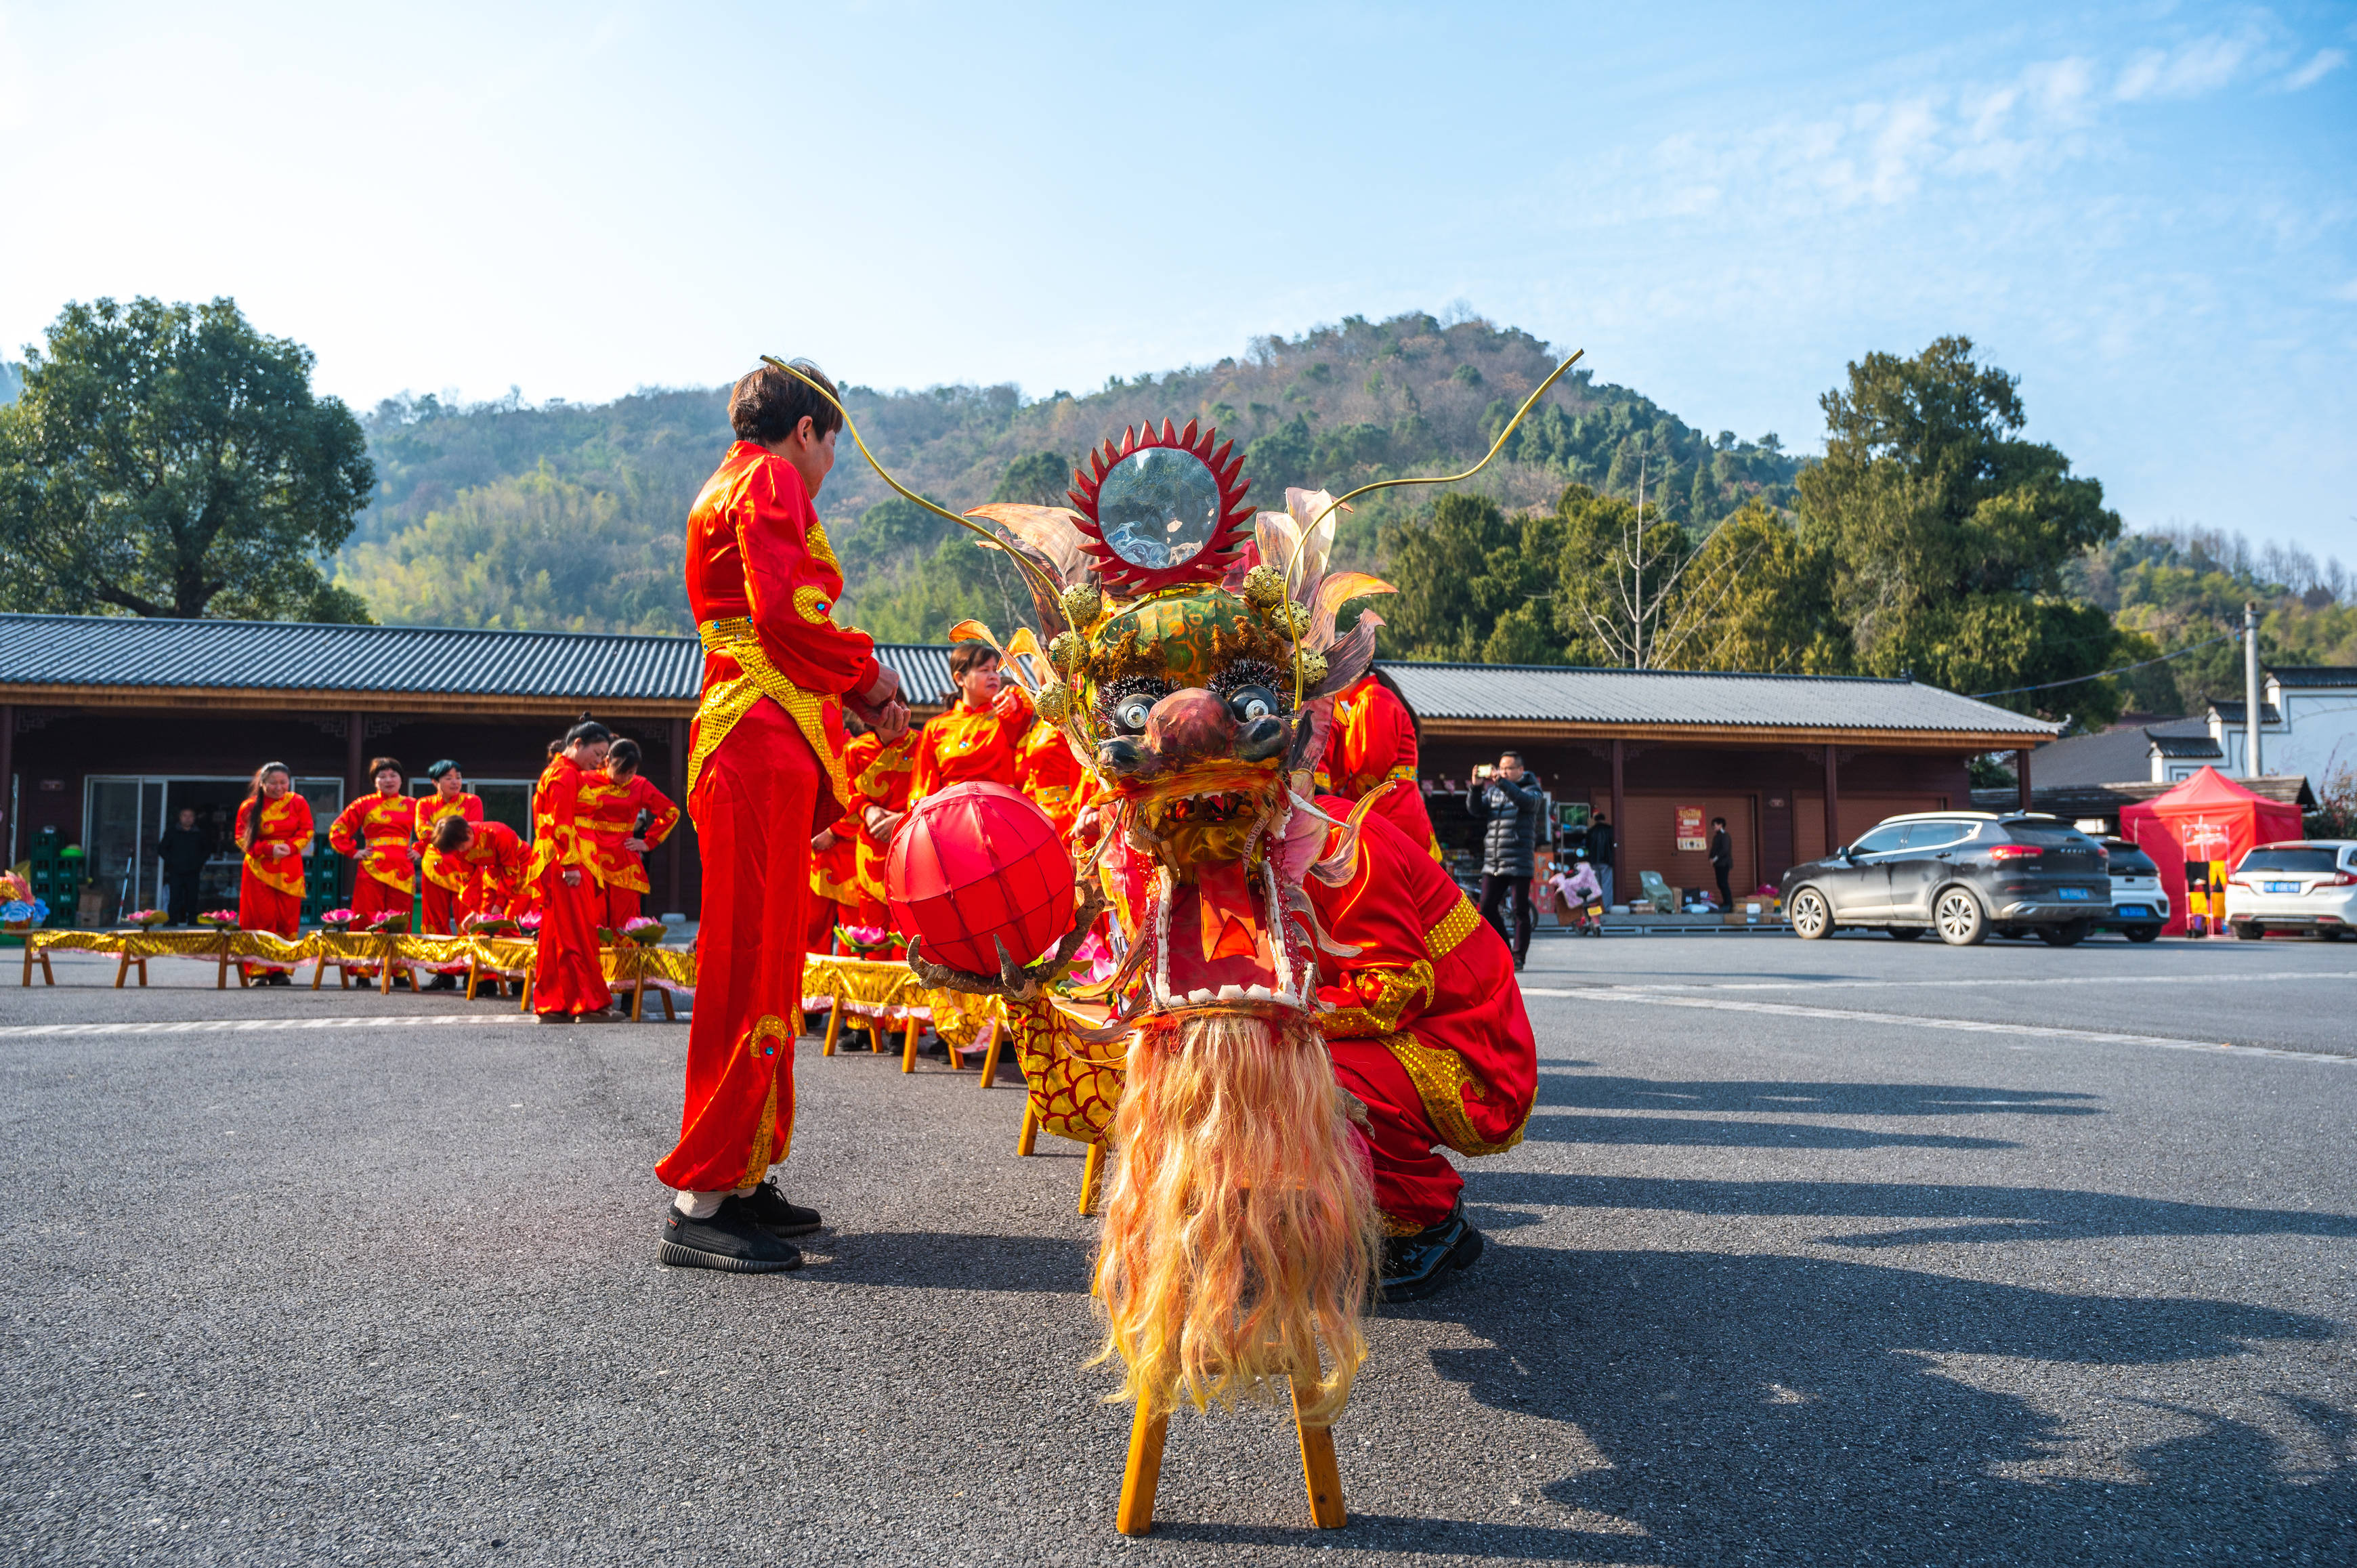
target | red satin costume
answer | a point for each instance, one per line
(269, 886)
(442, 878)
(568, 972)
(1372, 751)
(377, 832)
(622, 872)
(960, 745)
(496, 862)
(835, 871)
(765, 773)
(1050, 776)
(1427, 1027)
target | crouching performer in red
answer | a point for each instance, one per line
(568, 974)
(765, 774)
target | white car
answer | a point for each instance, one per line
(2304, 886)
(2139, 903)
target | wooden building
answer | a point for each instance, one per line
(108, 725)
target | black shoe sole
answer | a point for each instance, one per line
(680, 1257)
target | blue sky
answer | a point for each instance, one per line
(2145, 210)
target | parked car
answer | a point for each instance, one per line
(2139, 903)
(2308, 885)
(1961, 874)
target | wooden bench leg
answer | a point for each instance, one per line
(474, 975)
(834, 1026)
(638, 995)
(909, 1046)
(122, 969)
(142, 974)
(1092, 1175)
(319, 970)
(48, 975)
(1144, 1472)
(672, 1017)
(1027, 1139)
(1318, 1471)
(220, 980)
(29, 958)
(990, 1056)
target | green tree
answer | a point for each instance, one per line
(170, 460)
(1036, 478)
(1948, 535)
(1472, 584)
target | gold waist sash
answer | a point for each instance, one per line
(726, 702)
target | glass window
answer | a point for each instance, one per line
(2129, 861)
(2061, 833)
(2299, 858)
(1936, 835)
(1881, 840)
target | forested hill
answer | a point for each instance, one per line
(571, 516)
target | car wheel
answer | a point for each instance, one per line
(1812, 917)
(2140, 933)
(1961, 921)
(2331, 934)
(2069, 934)
(1904, 933)
(2249, 931)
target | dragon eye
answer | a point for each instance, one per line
(1250, 703)
(1130, 713)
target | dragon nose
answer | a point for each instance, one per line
(1261, 738)
(1120, 755)
(1187, 726)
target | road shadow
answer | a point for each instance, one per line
(1968, 1213)
(1693, 1133)
(1599, 1092)
(1789, 1409)
(940, 1259)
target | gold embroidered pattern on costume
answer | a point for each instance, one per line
(1452, 928)
(761, 1045)
(730, 701)
(814, 540)
(1382, 1015)
(1441, 1079)
(812, 604)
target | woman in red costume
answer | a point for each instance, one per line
(494, 862)
(568, 975)
(1373, 752)
(274, 829)
(443, 881)
(766, 772)
(380, 833)
(978, 737)
(625, 796)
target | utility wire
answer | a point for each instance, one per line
(2076, 680)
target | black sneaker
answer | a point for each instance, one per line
(769, 1208)
(731, 1240)
(1416, 1266)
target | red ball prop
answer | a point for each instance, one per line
(975, 861)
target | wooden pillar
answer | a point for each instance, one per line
(8, 781)
(1832, 800)
(2022, 777)
(355, 758)
(1621, 891)
(674, 885)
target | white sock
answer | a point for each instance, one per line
(699, 1205)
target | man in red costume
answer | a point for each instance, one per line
(1427, 1029)
(1372, 751)
(380, 833)
(623, 797)
(568, 972)
(765, 773)
(977, 737)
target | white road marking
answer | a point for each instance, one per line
(238, 1025)
(1977, 985)
(1899, 1020)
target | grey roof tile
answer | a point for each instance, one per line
(1567, 694)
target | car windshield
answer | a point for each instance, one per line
(2046, 832)
(2133, 863)
(2314, 862)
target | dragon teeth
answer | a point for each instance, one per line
(1200, 996)
(1232, 992)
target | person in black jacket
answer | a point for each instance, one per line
(1599, 854)
(184, 849)
(1511, 804)
(1722, 860)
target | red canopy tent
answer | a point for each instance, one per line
(2208, 817)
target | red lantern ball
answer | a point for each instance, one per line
(975, 861)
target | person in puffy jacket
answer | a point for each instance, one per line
(1509, 804)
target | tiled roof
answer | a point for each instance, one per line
(124, 650)
(2309, 676)
(2185, 747)
(2230, 712)
(1561, 693)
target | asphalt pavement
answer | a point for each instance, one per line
(1846, 1252)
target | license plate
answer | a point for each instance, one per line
(2071, 892)
(2280, 887)
(2133, 912)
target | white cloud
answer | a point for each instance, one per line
(2325, 62)
(2188, 70)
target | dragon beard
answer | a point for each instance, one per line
(1241, 1232)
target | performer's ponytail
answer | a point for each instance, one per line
(587, 729)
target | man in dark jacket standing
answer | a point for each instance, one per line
(1599, 854)
(1722, 860)
(1510, 803)
(184, 849)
